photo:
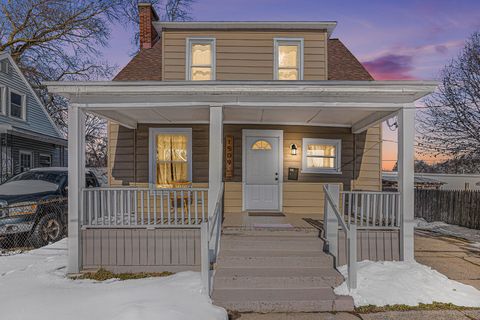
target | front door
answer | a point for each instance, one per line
(262, 176)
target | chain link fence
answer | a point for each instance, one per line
(32, 224)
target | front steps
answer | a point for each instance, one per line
(276, 271)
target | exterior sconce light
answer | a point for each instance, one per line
(293, 149)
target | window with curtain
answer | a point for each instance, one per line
(201, 59)
(288, 59)
(172, 159)
(321, 155)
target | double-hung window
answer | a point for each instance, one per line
(288, 59)
(200, 59)
(321, 155)
(26, 160)
(17, 105)
(45, 160)
(170, 156)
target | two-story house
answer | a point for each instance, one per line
(229, 143)
(28, 136)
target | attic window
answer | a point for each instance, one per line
(200, 59)
(288, 59)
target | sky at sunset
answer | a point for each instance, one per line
(394, 39)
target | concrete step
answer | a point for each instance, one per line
(272, 259)
(283, 300)
(294, 232)
(293, 278)
(265, 243)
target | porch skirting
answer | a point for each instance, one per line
(373, 245)
(141, 250)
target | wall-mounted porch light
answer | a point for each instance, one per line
(293, 149)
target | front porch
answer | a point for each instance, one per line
(136, 226)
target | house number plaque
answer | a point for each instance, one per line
(229, 157)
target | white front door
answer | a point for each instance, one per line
(262, 166)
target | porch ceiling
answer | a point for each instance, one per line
(355, 104)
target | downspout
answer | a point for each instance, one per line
(135, 157)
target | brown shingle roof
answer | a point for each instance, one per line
(147, 64)
(342, 64)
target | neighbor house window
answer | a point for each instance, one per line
(200, 59)
(26, 160)
(171, 156)
(4, 68)
(45, 160)
(288, 59)
(321, 155)
(17, 105)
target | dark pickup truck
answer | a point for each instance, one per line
(34, 206)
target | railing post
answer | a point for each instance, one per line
(205, 257)
(352, 257)
(330, 218)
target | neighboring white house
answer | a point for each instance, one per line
(454, 181)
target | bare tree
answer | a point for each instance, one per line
(450, 125)
(54, 40)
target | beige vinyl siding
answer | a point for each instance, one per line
(244, 55)
(369, 161)
(128, 154)
(298, 198)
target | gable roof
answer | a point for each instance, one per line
(147, 64)
(53, 131)
(343, 65)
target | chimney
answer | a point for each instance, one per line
(148, 34)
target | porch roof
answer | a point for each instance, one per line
(355, 104)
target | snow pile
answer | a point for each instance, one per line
(34, 286)
(448, 229)
(409, 283)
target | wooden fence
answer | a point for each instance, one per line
(451, 206)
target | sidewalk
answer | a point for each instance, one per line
(392, 315)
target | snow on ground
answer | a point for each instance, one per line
(34, 286)
(448, 229)
(409, 283)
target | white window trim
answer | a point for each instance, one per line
(45, 155)
(24, 105)
(188, 57)
(152, 151)
(338, 156)
(25, 152)
(296, 41)
(3, 100)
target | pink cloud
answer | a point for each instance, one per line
(390, 67)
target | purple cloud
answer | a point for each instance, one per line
(390, 67)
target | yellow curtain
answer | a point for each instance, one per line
(172, 159)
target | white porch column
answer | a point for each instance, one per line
(215, 156)
(76, 181)
(406, 139)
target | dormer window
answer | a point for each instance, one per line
(288, 59)
(200, 59)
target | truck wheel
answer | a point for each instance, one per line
(48, 229)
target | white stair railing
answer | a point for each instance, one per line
(333, 219)
(211, 231)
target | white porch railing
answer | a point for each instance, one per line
(211, 231)
(350, 211)
(138, 207)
